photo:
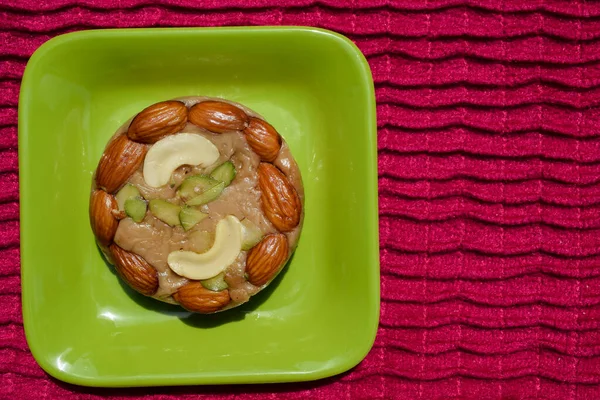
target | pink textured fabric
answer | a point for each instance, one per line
(489, 174)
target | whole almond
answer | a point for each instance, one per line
(218, 116)
(134, 270)
(104, 224)
(280, 201)
(120, 159)
(263, 139)
(195, 297)
(157, 121)
(266, 259)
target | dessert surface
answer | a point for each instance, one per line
(197, 201)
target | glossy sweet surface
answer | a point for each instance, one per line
(318, 318)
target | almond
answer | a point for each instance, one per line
(218, 116)
(134, 270)
(280, 201)
(119, 214)
(266, 259)
(157, 121)
(263, 139)
(104, 224)
(107, 254)
(195, 297)
(121, 158)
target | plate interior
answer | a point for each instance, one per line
(320, 315)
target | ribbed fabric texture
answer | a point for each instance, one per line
(489, 175)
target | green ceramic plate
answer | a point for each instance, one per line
(317, 319)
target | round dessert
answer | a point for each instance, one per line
(197, 201)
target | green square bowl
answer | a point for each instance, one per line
(319, 317)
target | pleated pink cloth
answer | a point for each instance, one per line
(489, 179)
